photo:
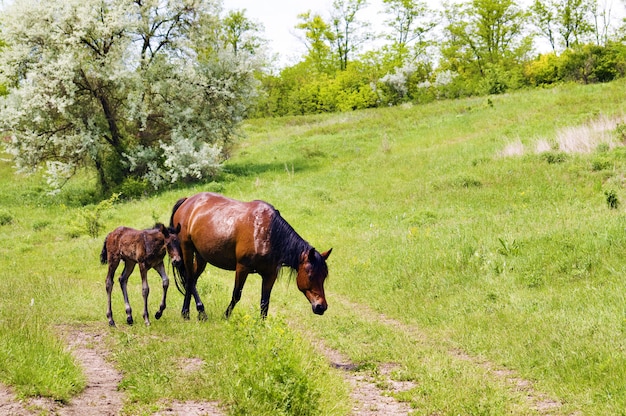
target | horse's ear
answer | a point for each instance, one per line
(311, 255)
(163, 229)
(326, 254)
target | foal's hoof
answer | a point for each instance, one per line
(129, 320)
(158, 315)
(202, 316)
(185, 315)
(112, 324)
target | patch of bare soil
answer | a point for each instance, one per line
(367, 394)
(101, 396)
(190, 408)
(537, 400)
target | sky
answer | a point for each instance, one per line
(279, 18)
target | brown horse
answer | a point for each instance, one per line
(146, 248)
(247, 237)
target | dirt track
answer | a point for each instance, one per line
(102, 398)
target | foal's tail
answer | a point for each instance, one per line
(103, 253)
(180, 275)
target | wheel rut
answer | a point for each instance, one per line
(536, 400)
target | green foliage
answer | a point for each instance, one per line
(612, 201)
(543, 71)
(134, 188)
(462, 271)
(119, 90)
(585, 63)
(303, 90)
(89, 219)
(6, 217)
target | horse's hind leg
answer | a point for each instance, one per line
(145, 291)
(166, 283)
(129, 266)
(109, 287)
(200, 265)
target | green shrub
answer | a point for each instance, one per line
(5, 217)
(611, 199)
(133, 188)
(89, 218)
(543, 71)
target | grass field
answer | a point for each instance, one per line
(452, 255)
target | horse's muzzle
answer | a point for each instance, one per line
(319, 309)
(177, 263)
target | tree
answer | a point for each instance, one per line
(350, 32)
(241, 33)
(573, 19)
(543, 15)
(318, 39)
(117, 86)
(410, 21)
(569, 19)
(485, 40)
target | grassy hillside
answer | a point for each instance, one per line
(449, 260)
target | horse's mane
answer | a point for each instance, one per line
(286, 245)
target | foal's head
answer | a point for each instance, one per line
(172, 243)
(312, 271)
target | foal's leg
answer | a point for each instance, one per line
(145, 291)
(160, 268)
(129, 266)
(113, 263)
(241, 274)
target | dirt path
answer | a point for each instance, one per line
(367, 397)
(371, 395)
(101, 396)
(536, 400)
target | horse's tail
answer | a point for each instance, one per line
(103, 253)
(176, 206)
(180, 275)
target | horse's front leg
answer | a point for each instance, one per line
(241, 274)
(109, 287)
(166, 283)
(145, 291)
(129, 266)
(266, 291)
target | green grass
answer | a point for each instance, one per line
(513, 260)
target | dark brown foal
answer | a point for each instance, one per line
(146, 248)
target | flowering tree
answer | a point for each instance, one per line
(130, 88)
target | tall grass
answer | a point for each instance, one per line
(514, 260)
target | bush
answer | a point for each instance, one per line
(543, 71)
(5, 218)
(611, 199)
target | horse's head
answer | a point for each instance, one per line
(312, 271)
(172, 244)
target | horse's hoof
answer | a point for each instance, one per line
(202, 316)
(158, 315)
(185, 315)
(112, 324)
(129, 321)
